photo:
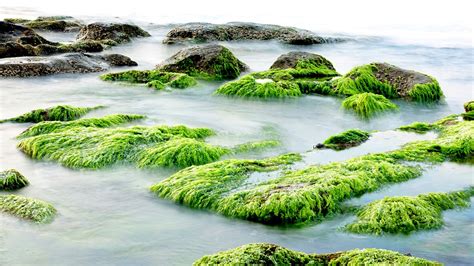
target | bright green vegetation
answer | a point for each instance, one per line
(277, 83)
(26, 208)
(468, 116)
(270, 254)
(469, 106)
(95, 143)
(346, 139)
(12, 179)
(56, 113)
(407, 214)
(418, 127)
(152, 78)
(368, 104)
(312, 193)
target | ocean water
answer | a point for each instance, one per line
(109, 216)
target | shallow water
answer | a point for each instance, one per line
(109, 216)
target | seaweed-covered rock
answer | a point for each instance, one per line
(291, 60)
(49, 23)
(12, 179)
(208, 62)
(152, 78)
(10, 32)
(368, 104)
(56, 113)
(407, 214)
(469, 106)
(201, 32)
(346, 139)
(312, 193)
(271, 254)
(389, 81)
(110, 32)
(66, 63)
(27, 208)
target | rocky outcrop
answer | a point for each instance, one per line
(212, 61)
(112, 33)
(203, 32)
(51, 23)
(291, 60)
(66, 63)
(10, 32)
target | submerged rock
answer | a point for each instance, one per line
(110, 33)
(152, 78)
(345, 140)
(271, 254)
(12, 179)
(27, 208)
(212, 61)
(407, 214)
(202, 32)
(66, 63)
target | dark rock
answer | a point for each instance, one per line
(119, 60)
(291, 59)
(66, 63)
(13, 49)
(119, 33)
(10, 32)
(208, 62)
(51, 23)
(202, 32)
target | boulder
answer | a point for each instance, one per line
(110, 32)
(291, 60)
(212, 61)
(51, 23)
(203, 32)
(10, 32)
(65, 63)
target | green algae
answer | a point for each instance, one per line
(255, 146)
(469, 106)
(368, 104)
(418, 127)
(12, 179)
(271, 254)
(248, 86)
(407, 214)
(468, 116)
(27, 208)
(152, 78)
(315, 192)
(51, 23)
(56, 113)
(346, 139)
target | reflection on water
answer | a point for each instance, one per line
(109, 216)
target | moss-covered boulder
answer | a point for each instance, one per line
(314, 192)
(368, 104)
(407, 214)
(65, 63)
(12, 179)
(152, 78)
(292, 59)
(214, 62)
(390, 81)
(56, 113)
(48, 23)
(270, 254)
(27, 208)
(110, 33)
(344, 140)
(233, 31)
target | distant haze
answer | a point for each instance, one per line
(437, 23)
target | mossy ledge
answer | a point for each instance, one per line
(93, 144)
(368, 104)
(407, 214)
(270, 254)
(12, 179)
(312, 193)
(345, 140)
(56, 113)
(27, 208)
(152, 78)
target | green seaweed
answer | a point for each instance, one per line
(56, 113)
(426, 92)
(248, 86)
(418, 127)
(271, 254)
(346, 139)
(27, 208)
(368, 104)
(407, 214)
(255, 146)
(152, 78)
(12, 179)
(468, 116)
(469, 106)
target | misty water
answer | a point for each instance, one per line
(108, 216)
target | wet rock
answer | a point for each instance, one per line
(66, 63)
(110, 33)
(202, 32)
(291, 60)
(208, 62)
(119, 60)
(50, 23)
(10, 32)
